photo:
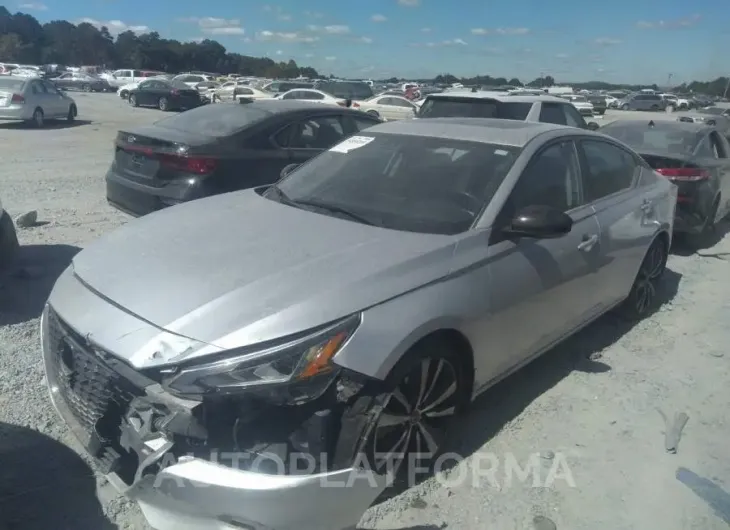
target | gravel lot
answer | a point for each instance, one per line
(589, 409)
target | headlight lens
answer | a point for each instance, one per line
(295, 361)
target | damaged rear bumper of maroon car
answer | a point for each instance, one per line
(252, 460)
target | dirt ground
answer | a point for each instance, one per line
(587, 416)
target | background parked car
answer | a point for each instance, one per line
(694, 156)
(643, 102)
(279, 87)
(124, 90)
(231, 90)
(165, 95)
(220, 148)
(388, 107)
(315, 96)
(352, 90)
(599, 103)
(85, 82)
(34, 100)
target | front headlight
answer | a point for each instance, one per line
(295, 361)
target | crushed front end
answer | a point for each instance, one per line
(270, 457)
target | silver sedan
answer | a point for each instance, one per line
(342, 317)
(34, 100)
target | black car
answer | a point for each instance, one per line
(221, 148)
(599, 104)
(165, 95)
(352, 90)
(694, 156)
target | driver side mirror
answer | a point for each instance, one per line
(539, 222)
(288, 169)
(593, 126)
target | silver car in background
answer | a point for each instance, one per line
(34, 100)
(358, 305)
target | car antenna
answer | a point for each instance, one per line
(651, 123)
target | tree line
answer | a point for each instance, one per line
(24, 40)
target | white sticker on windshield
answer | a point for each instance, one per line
(354, 142)
(501, 152)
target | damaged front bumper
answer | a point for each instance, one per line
(193, 465)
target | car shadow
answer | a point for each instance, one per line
(49, 125)
(44, 484)
(505, 401)
(715, 497)
(25, 286)
(685, 245)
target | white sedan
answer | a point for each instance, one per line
(388, 107)
(581, 103)
(310, 94)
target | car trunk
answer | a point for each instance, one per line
(154, 155)
(681, 171)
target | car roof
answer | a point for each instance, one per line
(280, 106)
(512, 133)
(499, 96)
(692, 127)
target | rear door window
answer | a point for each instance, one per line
(609, 169)
(553, 113)
(317, 133)
(573, 117)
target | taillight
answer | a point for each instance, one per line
(197, 165)
(684, 174)
(174, 91)
(356, 105)
(17, 98)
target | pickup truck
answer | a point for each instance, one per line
(119, 78)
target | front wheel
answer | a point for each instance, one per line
(86, 88)
(374, 113)
(163, 104)
(72, 113)
(38, 119)
(643, 296)
(124, 94)
(424, 392)
(625, 106)
(133, 100)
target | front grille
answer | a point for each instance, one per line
(96, 395)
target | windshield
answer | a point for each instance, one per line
(579, 99)
(10, 83)
(466, 107)
(665, 138)
(215, 120)
(415, 184)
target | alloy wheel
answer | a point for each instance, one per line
(413, 415)
(38, 119)
(652, 268)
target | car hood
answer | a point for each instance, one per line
(243, 263)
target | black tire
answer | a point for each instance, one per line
(38, 121)
(411, 425)
(373, 113)
(8, 241)
(625, 106)
(163, 104)
(124, 94)
(704, 237)
(642, 299)
(655, 107)
(133, 100)
(72, 113)
(86, 88)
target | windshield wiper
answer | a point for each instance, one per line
(281, 196)
(334, 209)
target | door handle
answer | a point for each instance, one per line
(587, 243)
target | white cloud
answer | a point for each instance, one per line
(378, 18)
(512, 31)
(330, 58)
(337, 29)
(115, 27)
(605, 41)
(425, 30)
(410, 3)
(364, 40)
(676, 23)
(279, 52)
(312, 14)
(217, 26)
(443, 43)
(480, 31)
(278, 36)
(561, 56)
(309, 55)
(34, 6)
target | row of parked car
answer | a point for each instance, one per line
(309, 278)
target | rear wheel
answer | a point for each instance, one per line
(38, 119)
(8, 240)
(655, 107)
(163, 104)
(373, 113)
(86, 88)
(704, 237)
(72, 112)
(124, 94)
(643, 296)
(625, 106)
